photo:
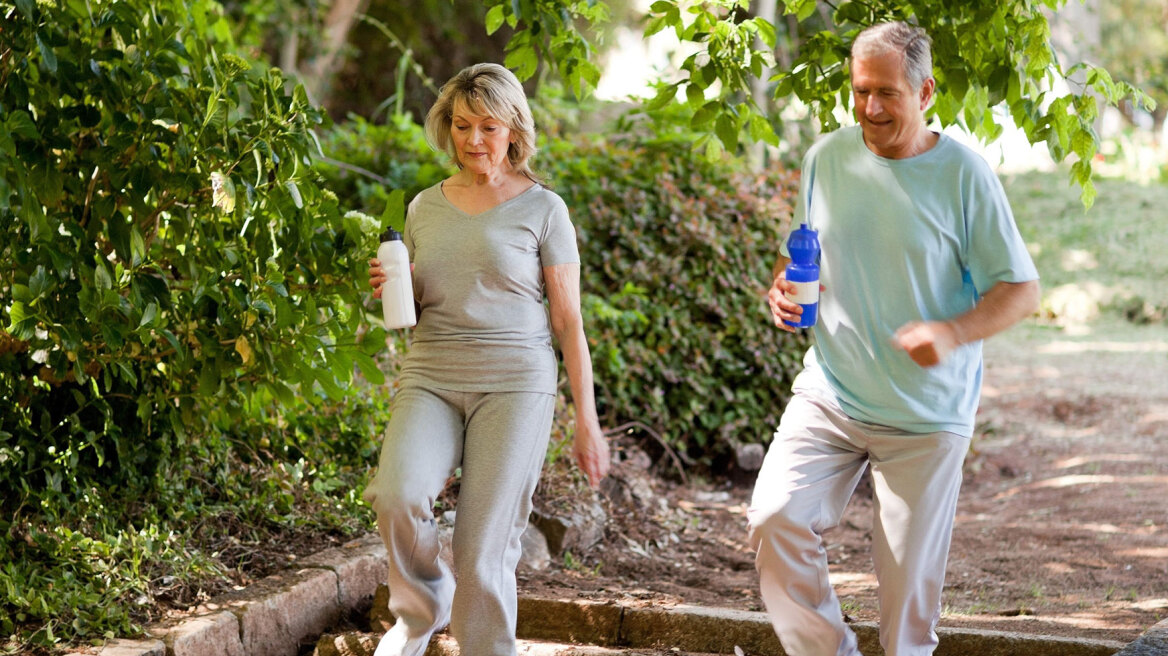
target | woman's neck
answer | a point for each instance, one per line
(496, 178)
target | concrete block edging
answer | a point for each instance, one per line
(1153, 642)
(717, 630)
(276, 614)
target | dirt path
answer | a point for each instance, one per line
(1064, 518)
(1062, 527)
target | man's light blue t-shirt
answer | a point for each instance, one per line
(913, 239)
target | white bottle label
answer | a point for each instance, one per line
(806, 293)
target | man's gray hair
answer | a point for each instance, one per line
(909, 41)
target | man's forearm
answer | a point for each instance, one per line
(1005, 304)
(780, 266)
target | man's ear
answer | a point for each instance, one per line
(928, 87)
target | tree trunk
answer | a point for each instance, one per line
(291, 46)
(318, 73)
(764, 9)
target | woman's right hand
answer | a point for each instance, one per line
(376, 276)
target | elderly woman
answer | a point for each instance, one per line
(478, 385)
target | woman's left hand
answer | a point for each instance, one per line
(590, 448)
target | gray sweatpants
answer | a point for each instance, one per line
(810, 471)
(500, 440)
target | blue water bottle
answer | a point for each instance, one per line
(803, 246)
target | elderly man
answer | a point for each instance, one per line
(920, 261)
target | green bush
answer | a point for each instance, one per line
(179, 313)
(677, 254)
(365, 162)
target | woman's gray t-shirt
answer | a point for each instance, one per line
(483, 325)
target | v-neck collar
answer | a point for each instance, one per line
(450, 203)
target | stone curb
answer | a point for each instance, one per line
(277, 614)
(719, 630)
(618, 629)
(1153, 642)
(362, 644)
(282, 612)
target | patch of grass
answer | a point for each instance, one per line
(1118, 243)
(976, 608)
(850, 606)
(1036, 592)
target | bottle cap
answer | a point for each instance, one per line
(803, 245)
(390, 235)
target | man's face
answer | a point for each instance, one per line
(889, 111)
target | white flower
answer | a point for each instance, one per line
(222, 192)
(367, 224)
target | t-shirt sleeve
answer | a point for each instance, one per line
(558, 242)
(407, 231)
(996, 251)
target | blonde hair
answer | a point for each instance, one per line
(487, 90)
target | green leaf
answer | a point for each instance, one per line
(766, 32)
(101, 277)
(1088, 195)
(495, 19)
(694, 95)
(208, 379)
(394, 215)
(369, 368)
(283, 393)
(39, 283)
(851, 12)
(27, 9)
(149, 315)
(761, 130)
(137, 246)
(665, 95)
(329, 384)
(20, 123)
(212, 109)
(1083, 143)
(706, 114)
(294, 191)
(49, 184)
(655, 25)
(522, 60)
(47, 53)
(127, 372)
(22, 293)
(727, 131)
(172, 340)
(805, 8)
(19, 321)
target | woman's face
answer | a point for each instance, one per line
(480, 141)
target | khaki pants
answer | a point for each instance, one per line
(810, 472)
(500, 440)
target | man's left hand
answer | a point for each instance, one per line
(928, 343)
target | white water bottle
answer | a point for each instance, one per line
(397, 292)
